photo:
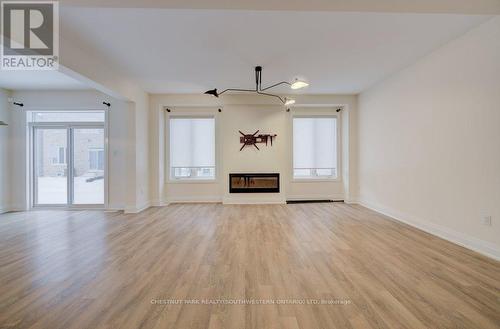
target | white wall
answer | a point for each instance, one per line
(248, 113)
(271, 159)
(121, 140)
(141, 145)
(429, 141)
(4, 145)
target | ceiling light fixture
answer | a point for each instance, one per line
(297, 84)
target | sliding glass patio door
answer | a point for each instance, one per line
(87, 176)
(68, 165)
(51, 166)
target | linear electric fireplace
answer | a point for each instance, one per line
(254, 183)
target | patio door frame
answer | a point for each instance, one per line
(69, 127)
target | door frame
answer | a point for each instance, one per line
(69, 126)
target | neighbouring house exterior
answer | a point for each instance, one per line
(52, 157)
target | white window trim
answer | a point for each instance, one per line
(191, 115)
(339, 150)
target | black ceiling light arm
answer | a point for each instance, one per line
(237, 89)
(272, 95)
(258, 86)
(276, 84)
(258, 71)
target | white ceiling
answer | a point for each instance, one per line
(38, 80)
(190, 51)
(401, 6)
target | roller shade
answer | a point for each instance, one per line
(192, 142)
(314, 143)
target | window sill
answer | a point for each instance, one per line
(192, 181)
(316, 180)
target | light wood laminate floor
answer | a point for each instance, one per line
(92, 269)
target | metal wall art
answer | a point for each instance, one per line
(254, 139)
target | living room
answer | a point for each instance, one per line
(173, 164)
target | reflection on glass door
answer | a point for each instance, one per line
(51, 166)
(88, 165)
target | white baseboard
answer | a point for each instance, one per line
(111, 210)
(483, 247)
(11, 208)
(115, 207)
(159, 203)
(351, 201)
(136, 210)
(18, 207)
(234, 200)
(195, 199)
(334, 197)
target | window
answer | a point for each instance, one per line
(96, 159)
(315, 148)
(66, 116)
(192, 148)
(60, 158)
